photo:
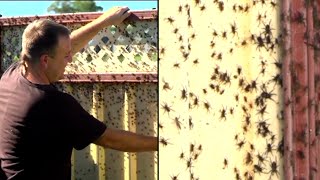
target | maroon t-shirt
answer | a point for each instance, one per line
(39, 127)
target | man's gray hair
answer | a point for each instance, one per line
(41, 37)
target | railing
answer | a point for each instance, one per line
(114, 78)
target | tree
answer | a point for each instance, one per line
(74, 6)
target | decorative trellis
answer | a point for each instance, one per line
(114, 78)
(126, 48)
(129, 47)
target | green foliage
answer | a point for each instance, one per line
(74, 6)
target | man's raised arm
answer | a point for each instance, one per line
(81, 36)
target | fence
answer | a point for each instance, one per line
(114, 78)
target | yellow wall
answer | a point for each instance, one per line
(192, 64)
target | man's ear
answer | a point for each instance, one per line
(44, 61)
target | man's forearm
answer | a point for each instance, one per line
(127, 141)
(136, 142)
(81, 36)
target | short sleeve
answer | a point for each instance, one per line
(83, 127)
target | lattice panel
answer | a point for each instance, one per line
(124, 48)
(130, 47)
(11, 38)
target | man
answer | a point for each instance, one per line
(39, 125)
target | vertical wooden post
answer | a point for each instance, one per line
(98, 111)
(131, 109)
(311, 92)
(288, 116)
(316, 41)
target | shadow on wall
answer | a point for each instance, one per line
(84, 166)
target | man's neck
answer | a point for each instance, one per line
(33, 75)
